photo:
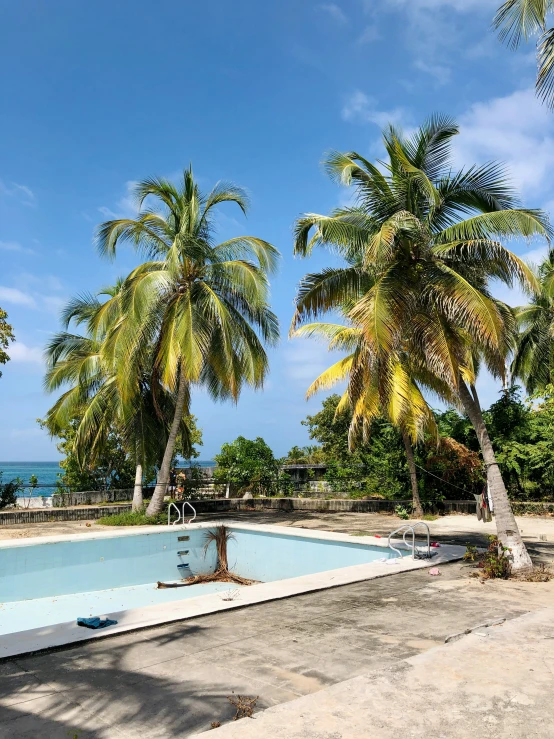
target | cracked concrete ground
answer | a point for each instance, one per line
(332, 648)
(495, 683)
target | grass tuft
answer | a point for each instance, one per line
(133, 518)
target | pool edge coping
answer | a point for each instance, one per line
(67, 633)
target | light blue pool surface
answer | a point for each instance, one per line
(47, 583)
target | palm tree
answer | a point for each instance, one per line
(420, 245)
(390, 390)
(296, 455)
(95, 395)
(534, 358)
(520, 20)
(202, 306)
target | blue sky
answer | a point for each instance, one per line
(98, 95)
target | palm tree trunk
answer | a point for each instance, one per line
(416, 502)
(137, 492)
(506, 526)
(156, 504)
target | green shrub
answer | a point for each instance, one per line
(133, 518)
(402, 512)
(471, 553)
(495, 563)
(8, 492)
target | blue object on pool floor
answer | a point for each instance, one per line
(95, 623)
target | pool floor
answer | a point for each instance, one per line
(22, 615)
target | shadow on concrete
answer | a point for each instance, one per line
(88, 691)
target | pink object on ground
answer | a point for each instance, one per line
(378, 536)
(434, 571)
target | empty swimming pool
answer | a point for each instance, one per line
(53, 581)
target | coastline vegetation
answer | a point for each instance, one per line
(413, 316)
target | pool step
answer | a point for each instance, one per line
(183, 552)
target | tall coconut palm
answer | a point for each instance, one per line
(203, 306)
(391, 390)
(534, 358)
(520, 20)
(96, 396)
(429, 238)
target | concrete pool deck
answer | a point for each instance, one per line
(495, 683)
(388, 634)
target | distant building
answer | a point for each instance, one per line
(305, 472)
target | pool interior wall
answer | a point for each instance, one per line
(46, 570)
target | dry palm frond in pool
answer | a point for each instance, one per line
(221, 536)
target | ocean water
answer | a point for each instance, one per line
(47, 474)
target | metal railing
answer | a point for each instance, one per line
(180, 513)
(407, 527)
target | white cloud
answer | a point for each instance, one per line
(534, 257)
(19, 352)
(14, 246)
(125, 207)
(362, 108)
(439, 72)
(38, 282)
(54, 303)
(435, 30)
(335, 13)
(33, 292)
(515, 129)
(15, 296)
(107, 213)
(306, 359)
(368, 35)
(22, 193)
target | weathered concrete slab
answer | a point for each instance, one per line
(496, 683)
(173, 681)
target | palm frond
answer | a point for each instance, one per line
(545, 59)
(518, 20)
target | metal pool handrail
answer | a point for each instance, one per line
(180, 513)
(406, 528)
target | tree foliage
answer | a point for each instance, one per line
(521, 20)
(375, 468)
(187, 448)
(111, 469)
(311, 454)
(202, 307)
(8, 492)
(248, 464)
(6, 336)
(419, 249)
(534, 358)
(522, 432)
(378, 466)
